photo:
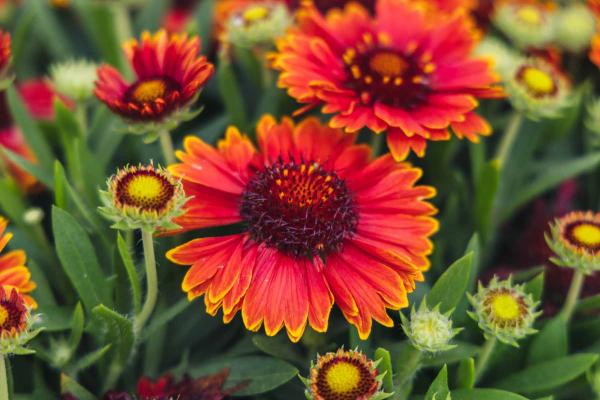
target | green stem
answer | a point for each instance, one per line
(573, 295)
(151, 282)
(3, 379)
(405, 373)
(377, 143)
(509, 136)
(81, 114)
(166, 144)
(484, 357)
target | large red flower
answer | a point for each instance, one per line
(169, 75)
(322, 222)
(405, 71)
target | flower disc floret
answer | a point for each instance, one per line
(504, 311)
(429, 330)
(526, 24)
(575, 239)
(257, 24)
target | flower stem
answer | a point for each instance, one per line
(509, 136)
(484, 357)
(3, 379)
(409, 368)
(166, 143)
(573, 295)
(81, 114)
(151, 281)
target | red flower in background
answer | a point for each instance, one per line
(415, 80)
(322, 222)
(5, 52)
(179, 15)
(169, 75)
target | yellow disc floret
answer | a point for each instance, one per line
(537, 81)
(588, 234)
(505, 306)
(148, 91)
(530, 15)
(389, 64)
(145, 189)
(342, 377)
(255, 13)
(3, 315)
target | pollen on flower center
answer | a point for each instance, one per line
(3, 314)
(538, 81)
(342, 377)
(255, 14)
(144, 189)
(505, 306)
(588, 234)
(148, 91)
(388, 64)
(299, 207)
(530, 15)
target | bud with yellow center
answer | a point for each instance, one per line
(429, 330)
(537, 88)
(575, 27)
(257, 25)
(575, 239)
(526, 25)
(344, 375)
(144, 197)
(504, 311)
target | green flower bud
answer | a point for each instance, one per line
(526, 25)
(258, 24)
(74, 79)
(429, 330)
(575, 27)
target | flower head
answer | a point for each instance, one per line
(502, 56)
(575, 239)
(13, 272)
(429, 330)
(74, 79)
(15, 322)
(344, 375)
(575, 27)
(538, 88)
(311, 205)
(169, 76)
(504, 311)
(526, 23)
(5, 57)
(143, 197)
(257, 24)
(415, 81)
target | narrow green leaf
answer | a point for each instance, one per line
(39, 172)
(451, 285)
(385, 366)
(60, 189)
(589, 303)
(465, 378)
(461, 351)
(536, 287)
(132, 274)
(159, 320)
(66, 120)
(88, 360)
(11, 201)
(551, 342)
(50, 30)
(69, 385)
(548, 375)
(33, 134)
(231, 94)
(485, 196)
(277, 346)
(485, 394)
(77, 322)
(438, 390)
(78, 259)
(119, 333)
(259, 374)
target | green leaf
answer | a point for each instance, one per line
(60, 186)
(385, 366)
(276, 346)
(119, 333)
(548, 375)
(50, 30)
(132, 274)
(88, 360)
(451, 285)
(485, 195)
(551, 342)
(231, 94)
(536, 287)
(66, 121)
(78, 259)
(77, 322)
(69, 385)
(32, 133)
(39, 172)
(460, 352)
(163, 318)
(55, 318)
(485, 394)
(260, 374)
(588, 303)
(438, 390)
(465, 378)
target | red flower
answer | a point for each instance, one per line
(12, 139)
(322, 223)
(39, 98)
(169, 76)
(179, 15)
(414, 79)
(5, 53)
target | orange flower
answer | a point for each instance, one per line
(13, 272)
(595, 50)
(169, 76)
(12, 139)
(414, 80)
(322, 223)
(14, 313)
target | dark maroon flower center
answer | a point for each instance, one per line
(299, 208)
(13, 314)
(144, 189)
(382, 74)
(344, 378)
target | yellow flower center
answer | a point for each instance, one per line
(588, 234)
(3, 315)
(506, 307)
(149, 91)
(343, 377)
(254, 14)
(145, 189)
(530, 15)
(389, 64)
(538, 81)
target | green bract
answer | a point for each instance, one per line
(429, 330)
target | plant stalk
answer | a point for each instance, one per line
(166, 144)
(509, 137)
(484, 357)
(573, 295)
(3, 379)
(151, 282)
